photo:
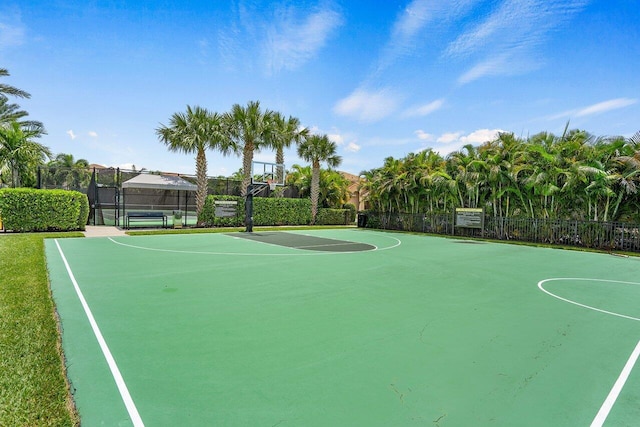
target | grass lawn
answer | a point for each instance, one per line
(33, 388)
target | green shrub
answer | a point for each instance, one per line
(281, 211)
(266, 211)
(352, 211)
(328, 216)
(26, 209)
(84, 209)
(208, 214)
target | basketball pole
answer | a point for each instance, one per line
(248, 208)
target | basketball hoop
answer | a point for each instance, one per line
(272, 184)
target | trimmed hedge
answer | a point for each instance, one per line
(281, 211)
(266, 211)
(274, 211)
(352, 211)
(328, 216)
(208, 214)
(27, 209)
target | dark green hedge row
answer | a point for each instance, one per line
(274, 211)
(333, 217)
(352, 211)
(281, 211)
(26, 209)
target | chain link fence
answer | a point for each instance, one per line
(103, 187)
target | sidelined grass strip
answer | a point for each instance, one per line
(33, 388)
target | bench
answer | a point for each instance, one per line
(142, 216)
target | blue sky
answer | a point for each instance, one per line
(381, 78)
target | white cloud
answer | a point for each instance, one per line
(448, 138)
(510, 35)
(353, 147)
(453, 141)
(284, 39)
(292, 39)
(71, 134)
(424, 110)
(314, 130)
(498, 65)
(337, 138)
(600, 107)
(368, 106)
(129, 166)
(412, 19)
(93, 134)
(412, 22)
(12, 32)
(341, 139)
(481, 136)
(423, 136)
(514, 23)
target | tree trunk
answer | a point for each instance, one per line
(247, 160)
(315, 190)
(201, 177)
(280, 160)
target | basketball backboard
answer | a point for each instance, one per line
(272, 174)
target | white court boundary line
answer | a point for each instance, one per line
(624, 316)
(299, 252)
(115, 372)
(617, 388)
(608, 403)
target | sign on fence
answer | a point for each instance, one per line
(470, 217)
(226, 208)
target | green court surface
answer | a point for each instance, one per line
(345, 328)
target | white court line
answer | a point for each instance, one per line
(626, 371)
(299, 252)
(617, 388)
(624, 316)
(122, 387)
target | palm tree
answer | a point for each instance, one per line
(317, 149)
(194, 132)
(367, 186)
(20, 154)
(286, 132)
(467, 167)
(10, 90)
(10, 112)
(70, 173)
(300, 177)
(571, 176)
(248, 129)
(333, 187)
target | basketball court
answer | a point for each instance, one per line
(345, 327)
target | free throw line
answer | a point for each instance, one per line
(617, 388)
(117, 376)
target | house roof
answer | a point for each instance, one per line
(159, 182)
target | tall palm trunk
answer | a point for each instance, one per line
(201, 176)
(280, 161)
(247, 160)
(315, 190)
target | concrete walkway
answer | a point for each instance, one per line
(103, 231)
